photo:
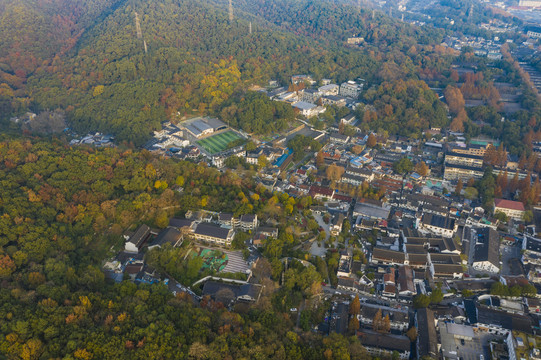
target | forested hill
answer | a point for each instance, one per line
(332, 21)
(97, 69)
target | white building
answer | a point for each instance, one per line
(330, 89)
(308, 109)
(351, 89)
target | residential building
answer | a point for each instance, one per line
(487, 250)
(383, 345)
(463, 172)
(299, 79)
(333, 100)
(355, 40)
(226, 219)
(513, 209)
(471, 149)
(214, 234)
(329, 89)
(248, 222)
(308, 109)
(351, 89)
(464, 159)
(309, 95)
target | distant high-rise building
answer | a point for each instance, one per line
(530, 3)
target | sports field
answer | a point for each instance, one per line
(219, 142)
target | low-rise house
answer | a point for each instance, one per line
(137, 240)
(344, 265)
(371, 209)
(352, 179)
(337, 222)
(186, 225)
(300, 79)
(339, 138)
(169, 235)
(427, 336)
(399, 319)
(268, 231)
(440, 225)
(349, 119)
(319, 192)
(406, 286)
(446, 271)
(387, 257)
(361, 172)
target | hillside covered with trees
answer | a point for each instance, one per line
(188, 59)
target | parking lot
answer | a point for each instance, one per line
(452, 347)
(511, 264)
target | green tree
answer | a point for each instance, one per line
(403, 166)
(421, 301)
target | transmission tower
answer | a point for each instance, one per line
(230, 10)
(250, 28)
(138, 26)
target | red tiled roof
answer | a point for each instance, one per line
(342, 197)
(508, 204)
(321, 191)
